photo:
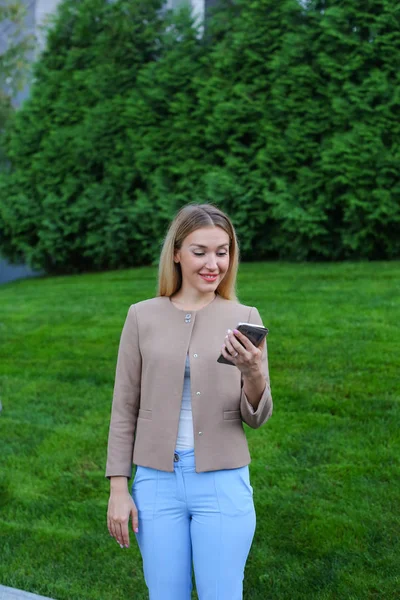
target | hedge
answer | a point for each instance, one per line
(283, 114)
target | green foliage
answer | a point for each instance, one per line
(284, 114)
(302, 120)
(80, 194)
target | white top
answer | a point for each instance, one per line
(185, 439)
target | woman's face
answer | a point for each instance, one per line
(204, 259)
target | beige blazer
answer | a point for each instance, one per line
(146, 404)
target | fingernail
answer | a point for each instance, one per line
(136, 530)
(236, 331)
(121, 545)
(229, 330)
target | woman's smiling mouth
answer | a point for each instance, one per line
(209, 278)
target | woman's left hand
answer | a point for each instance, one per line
(246, 358)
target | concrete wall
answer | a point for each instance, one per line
(43, 8)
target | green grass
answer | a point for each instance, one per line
(325, 468)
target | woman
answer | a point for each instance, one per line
(177, 414)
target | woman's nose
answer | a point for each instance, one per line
(211, 262)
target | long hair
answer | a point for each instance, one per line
(188, 219)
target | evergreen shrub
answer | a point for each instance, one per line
(285, 114)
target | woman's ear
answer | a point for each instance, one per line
(176, 256)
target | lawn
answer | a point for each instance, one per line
(325, 468)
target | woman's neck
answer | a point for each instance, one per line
(192, 302)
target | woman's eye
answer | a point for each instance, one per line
(218, 254)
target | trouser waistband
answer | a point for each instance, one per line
(184, 457)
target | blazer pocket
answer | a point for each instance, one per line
(144, 414)
(231, 415)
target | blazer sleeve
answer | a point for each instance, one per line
(256, 418)
(126, 400)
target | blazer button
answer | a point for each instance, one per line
(198, 393)
(195, 355)
(200, 433)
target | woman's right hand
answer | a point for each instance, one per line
(120, 508)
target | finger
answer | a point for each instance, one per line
(113, 529)
(229, 346)
(226, 354)
(245, 340)
(135, 520)
(125, 533)
(109, 525)
(120, 535)
(116, 529)
(236, 345)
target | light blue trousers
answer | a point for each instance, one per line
(204, 518)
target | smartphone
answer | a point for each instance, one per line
(255, 333)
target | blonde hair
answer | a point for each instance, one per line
(187, 220)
